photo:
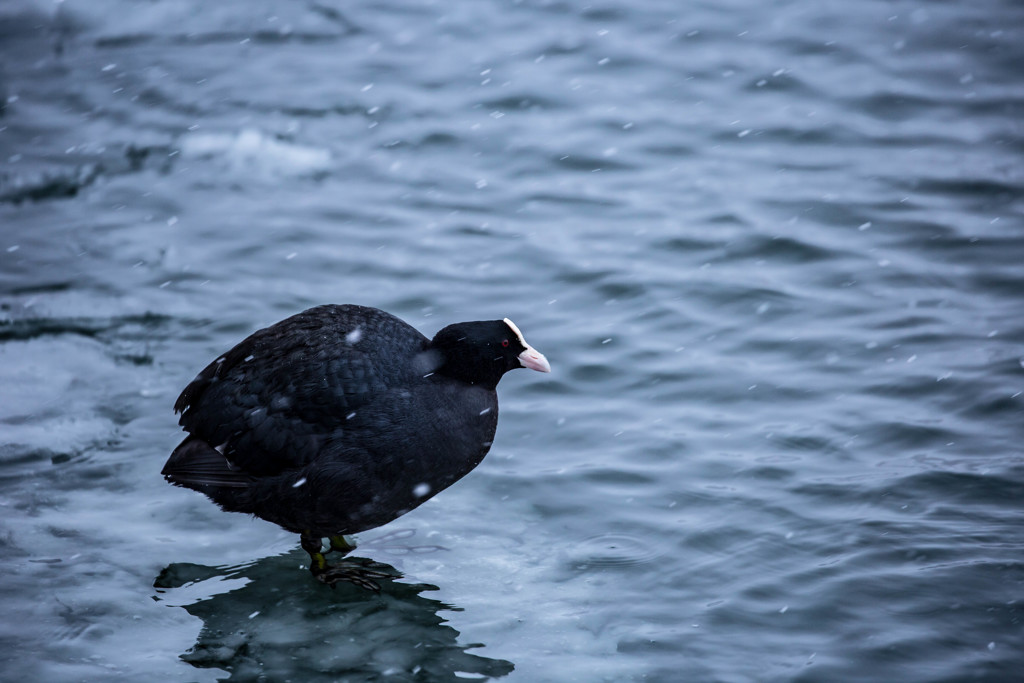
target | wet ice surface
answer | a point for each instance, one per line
(772, 251)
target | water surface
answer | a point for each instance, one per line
(772, 249)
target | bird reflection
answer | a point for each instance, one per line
(261, 622)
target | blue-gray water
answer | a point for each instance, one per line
(774, 252)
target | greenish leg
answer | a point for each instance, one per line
(313, 546)
(343, 544)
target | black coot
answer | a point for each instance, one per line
(341, 418)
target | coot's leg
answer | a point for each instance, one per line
(343, 544)
(314, 546)
(359, 571)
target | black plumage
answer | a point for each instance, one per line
(341, 418)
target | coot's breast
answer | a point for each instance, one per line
(432, 434)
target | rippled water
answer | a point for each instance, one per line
(773, 251)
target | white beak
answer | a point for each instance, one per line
(534, 359)
(531, 357)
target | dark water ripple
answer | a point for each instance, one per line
(771, 249)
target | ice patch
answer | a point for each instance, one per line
(251, 151)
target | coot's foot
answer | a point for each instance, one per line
(360, 571)
(357, 570)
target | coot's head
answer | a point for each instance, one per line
(481, 352)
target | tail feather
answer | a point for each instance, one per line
(196, 464)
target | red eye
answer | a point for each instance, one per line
(504, 342)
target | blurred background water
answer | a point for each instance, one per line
(773, 251)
